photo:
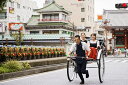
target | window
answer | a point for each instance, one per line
(12, 4)
(3, 15)
(34, 32)
(51, 17)
(82, 19)
(18, 17)
(63, 17)
(88, 30)
(82, 9)
(80, 0)
(51, 32)
(18, 5)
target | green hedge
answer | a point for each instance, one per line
(13, 66)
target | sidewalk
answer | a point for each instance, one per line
(117, 56)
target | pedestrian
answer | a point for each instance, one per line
(119, 51)
(116, 51)
(79, 49)
(125, 51)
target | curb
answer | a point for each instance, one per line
(34, 70)
(47, 61)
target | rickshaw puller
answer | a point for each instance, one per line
(79, 48)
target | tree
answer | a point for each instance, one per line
(18, 37)
(2, 4)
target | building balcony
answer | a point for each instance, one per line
(52, 20)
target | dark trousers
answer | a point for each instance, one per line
(81, 67)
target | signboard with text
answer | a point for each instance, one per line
(16, 26)
(99, 17)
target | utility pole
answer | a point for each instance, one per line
(106, 27)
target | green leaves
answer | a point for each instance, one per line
(2, 4)
(18, 37)
(13, 66)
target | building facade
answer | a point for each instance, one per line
(17, 12)
(118, 26)
(82, 13)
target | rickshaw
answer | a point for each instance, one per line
(99, 59)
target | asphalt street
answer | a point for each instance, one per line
(116, 73)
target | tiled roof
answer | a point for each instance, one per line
(52, 7)
(38, 36)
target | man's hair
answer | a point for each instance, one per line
(77, 36)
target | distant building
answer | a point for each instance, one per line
(82, 14)
(16, 13)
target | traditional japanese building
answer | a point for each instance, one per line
(116, 22)
(49, 27)
(52, 19)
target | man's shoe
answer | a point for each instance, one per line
(87, 74)
(82, 82)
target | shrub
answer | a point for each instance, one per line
(26, 65)
(13, 65)
(4, 70)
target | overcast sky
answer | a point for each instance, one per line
(99, 5)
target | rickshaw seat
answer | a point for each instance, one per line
(93, 54)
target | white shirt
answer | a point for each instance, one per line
(84, 47)
(96, 41)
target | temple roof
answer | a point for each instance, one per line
(38, 36)
(117, 18)
(52, 7)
